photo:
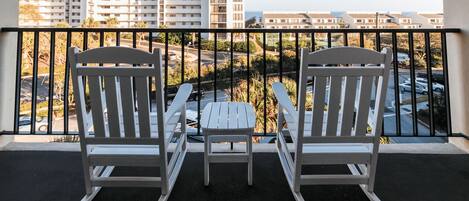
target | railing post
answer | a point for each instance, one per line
(8, 17)
(456, 16)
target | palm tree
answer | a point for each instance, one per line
(90, 23)
(112, 22)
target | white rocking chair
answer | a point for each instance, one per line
(336, 131)
(119, 129)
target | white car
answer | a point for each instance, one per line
(25, 123)
(436, 86)
(424, 82)
(407, 86)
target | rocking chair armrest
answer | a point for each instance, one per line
(285, 104)
(180, 100)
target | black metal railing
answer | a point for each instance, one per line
(417, 105)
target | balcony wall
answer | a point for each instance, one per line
(8, 17)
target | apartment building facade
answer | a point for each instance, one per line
(300, 20)
(127, 12)
(171, 13)
(50, 12)
(404, 22)
(369, 20)
(427, 20)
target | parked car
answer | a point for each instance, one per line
(407, 86)
(424, 82)
(25, 123)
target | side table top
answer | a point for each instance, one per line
(221, 116)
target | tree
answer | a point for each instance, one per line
(29, 12)
(90, 23)
(112, 22)
(252, 23)
(140, 35)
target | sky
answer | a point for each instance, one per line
(345, 5)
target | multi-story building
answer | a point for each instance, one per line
(172, 13)
(278, 20)
(183, 13)
(50, 12)
(127, 12)
(369, 20)
(299, 20)
(325, 21)
(404, 22)
(75, 12)
(427, 20)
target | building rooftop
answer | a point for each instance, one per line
(285, 15)
(367, 15)
(320, 15)
(432, 15)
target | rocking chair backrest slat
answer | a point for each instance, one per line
(348, 102)
(114, 108)
(143, 104)
(128, 107)
(318, 107)
(96, 101)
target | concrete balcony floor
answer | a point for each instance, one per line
(53, 171)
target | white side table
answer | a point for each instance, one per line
(228, 119)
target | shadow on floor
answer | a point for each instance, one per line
(406, 177)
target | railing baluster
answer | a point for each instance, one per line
(85, 47)
(412, 84)
(215, 58)
(345, 39)
(118, 38)
(378, 41)
(280, 51)
(428, 55)
(397, 99)
(297, 57)
(66, 82)
(101, 44)
(329, 39)
(313, 41)
(150, 79)
(264, 46)
(199, 93)
(19, 62)
(50, 105)
(248, 64)
(444, 54)
(150, 41)
(362, 40)
(85, 40)
(134, 39)
(378, 48)
(34, 82)
(101, 39)
(182, 56)
(166, 66)
(231, 66)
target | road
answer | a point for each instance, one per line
(207, 57)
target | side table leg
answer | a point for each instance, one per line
(249, 149)
(206, 163)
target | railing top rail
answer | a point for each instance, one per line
(247, 30)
